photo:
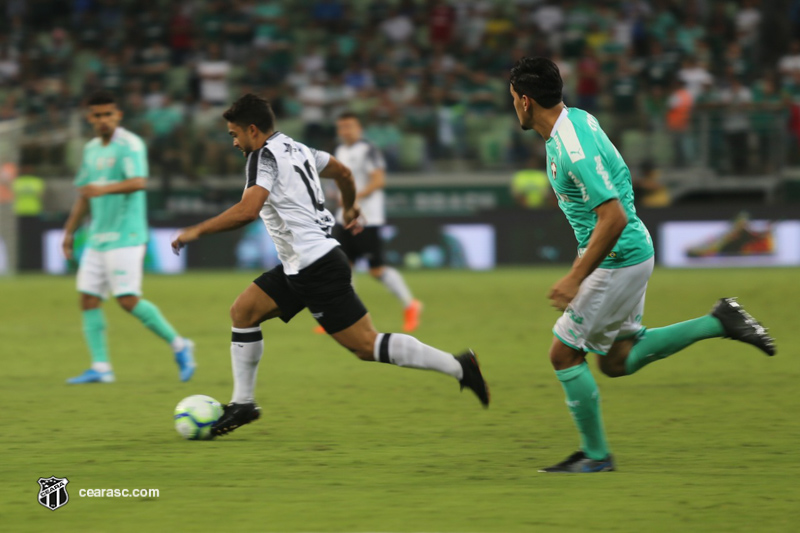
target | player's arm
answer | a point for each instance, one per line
(76, 216)
(376, 167)
(611, 220)
(235, 217)
(377, 181)
(347, 187)
(121, 187)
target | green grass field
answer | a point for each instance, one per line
(705, 440)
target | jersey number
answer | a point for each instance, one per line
(319, 206)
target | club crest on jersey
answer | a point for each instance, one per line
(289, 148)
(53, 492)
(553, 169)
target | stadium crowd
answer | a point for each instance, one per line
(429, 77)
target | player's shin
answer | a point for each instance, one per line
(394, 281)
(247, 347)
(583, 400)
(150, 315)
(94, 329)
(660, 343)
(405, 350)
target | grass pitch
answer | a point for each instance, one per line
(705, 440)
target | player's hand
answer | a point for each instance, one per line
(66, 245)
(186, 236)
(92, 191)
(351, 220)
(564, 291)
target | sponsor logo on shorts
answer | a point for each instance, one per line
(317, 315)
(575, 318)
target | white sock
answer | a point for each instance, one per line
(247, 346)
(405, 350)
(396, 285)
(101, 367)
(178, 344)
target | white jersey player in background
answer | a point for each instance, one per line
(369, 173)
(283, 187)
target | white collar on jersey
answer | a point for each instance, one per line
(560, 119)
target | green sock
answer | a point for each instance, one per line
(659, 343)
(151, 317)
(583, 400)
(94, 329)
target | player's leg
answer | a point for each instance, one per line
(125, 268)
(583, 401)
(333, 302)
(372, 247)
(92, 285)
(267, 297)
(726, 319)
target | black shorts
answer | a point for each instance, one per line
(325, 287)
(367, 244)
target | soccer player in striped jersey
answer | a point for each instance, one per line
(602, 296)
(366, 162)
(283, 187)
(111, 182)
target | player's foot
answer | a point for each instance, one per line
(740, 326)
(473, 379)
(411, 316)
(319, 330)
(92, 376)
(185, 360)
(234, 416)
(578, 463)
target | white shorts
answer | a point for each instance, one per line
(608, 307)
(117, 271)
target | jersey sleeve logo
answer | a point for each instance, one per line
(602, 172)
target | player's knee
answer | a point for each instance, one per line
(613, 370)
(128, 302)
(242, 316)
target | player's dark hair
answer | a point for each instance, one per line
(348, 114)
(101, 98)
(538, 78)
(251, 109)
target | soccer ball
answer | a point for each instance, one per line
(194, 416)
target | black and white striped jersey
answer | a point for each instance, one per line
(294, 212)
(363, 158)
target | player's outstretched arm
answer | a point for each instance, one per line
(127, 186)
(337, 171)
(76, 215)
(611, 220)
(235, 217)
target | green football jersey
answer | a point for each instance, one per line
(587, 170)
(118, 220)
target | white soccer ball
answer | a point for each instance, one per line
(194, 416)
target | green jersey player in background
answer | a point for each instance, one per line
(111, 184)
(602, 297)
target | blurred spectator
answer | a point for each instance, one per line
(736, 123)
(385, 134)
(647, 187)
(213, 71)
(767, 118)
(530, 186)
(313, 97)
(398, 27)
(695, 76)
(679, 117)
(790, 63)
(441, 20)
(588, 80)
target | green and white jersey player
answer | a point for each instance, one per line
(111, 184)
(602, 297)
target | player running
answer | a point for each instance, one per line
(602, 297)
(283, 186)
(111, 182)
(366, 163)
